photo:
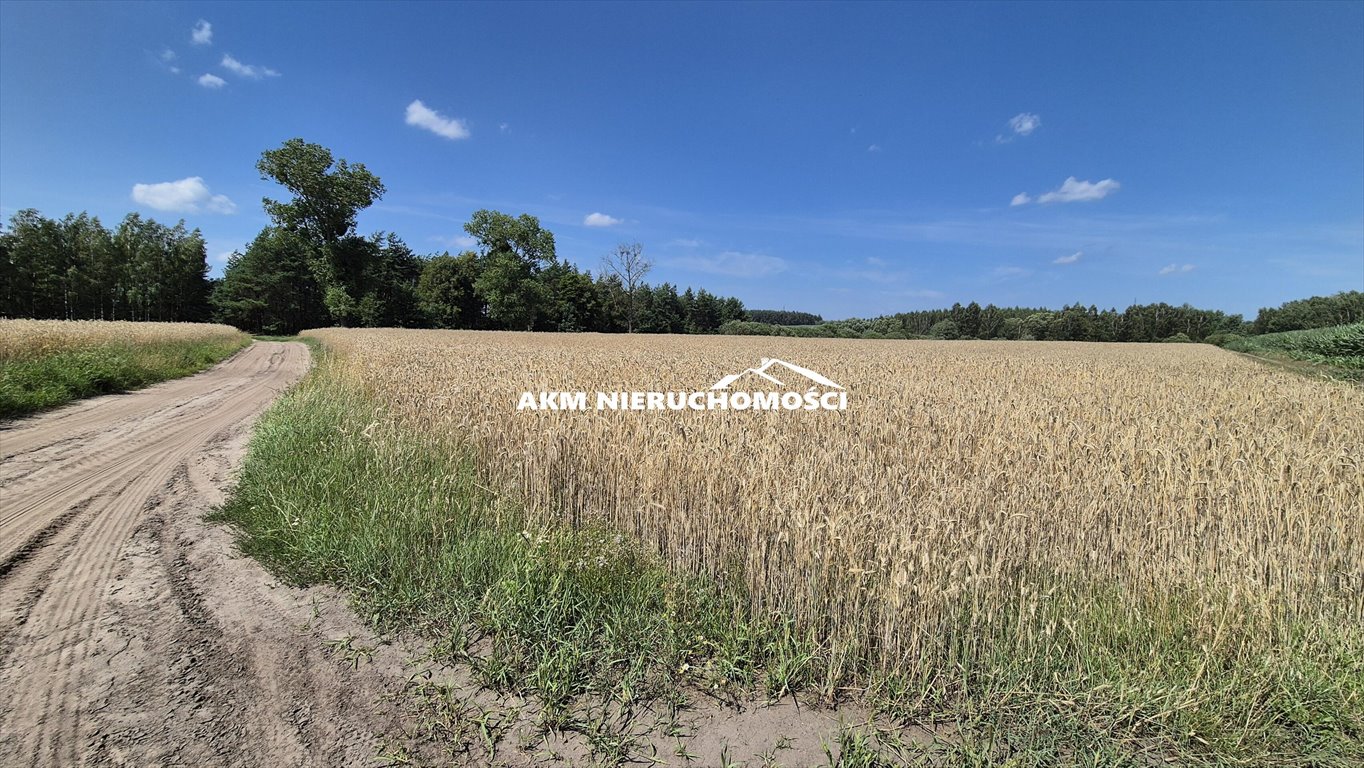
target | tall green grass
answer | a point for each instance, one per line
(1341, 346)
(31, 384)
(334, 491)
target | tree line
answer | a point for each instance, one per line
(1076, 322)
(783, 317)
(311, 268)
(1139, 322)
(1317, 312)
(75, 268)
(508, 283)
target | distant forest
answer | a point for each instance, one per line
(783, 317)
(311, 268)
(1139, 322)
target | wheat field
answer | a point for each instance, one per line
(46, 363)
(27, 339)
(971, 495)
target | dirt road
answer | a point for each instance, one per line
(130, 632)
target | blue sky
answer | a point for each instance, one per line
(844, 159)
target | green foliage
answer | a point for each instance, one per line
(944, 329)
(75, 269)
(662, 310)
(446, 291)
(33, 384)
(270, 288)
(328, 193)
(1223, 339)
(1341, 346)
(519, 236)
(507, 285)
(1344, 308)
(573, 302)
(705, 312)
(783, 317)
(513, 251)
(387, 276)
(1150, 322)
(748, 328)
(1178, 338)
(273, 287)
(1139, 322)
(310, 268)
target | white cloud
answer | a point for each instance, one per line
(202, 34)
(874, 148)
(504, 127)
(250, 71)
(174, 70)
(422, 116)
(189, 195)
(1020, 199)
(167, 54)
(1073, 190)
(1024, 123)
(1010, 273)
(1176, 269)
(211, 81)
(1071, 259)
(733, 264)
(600, 220)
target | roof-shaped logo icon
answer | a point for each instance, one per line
(764, 371)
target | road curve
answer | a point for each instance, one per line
(87, 495)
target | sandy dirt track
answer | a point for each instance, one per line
(130, 632)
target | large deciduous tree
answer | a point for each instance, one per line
(329, 194)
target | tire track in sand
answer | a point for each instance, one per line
(67, 514)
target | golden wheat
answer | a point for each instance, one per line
(26, 339)
(964, 482)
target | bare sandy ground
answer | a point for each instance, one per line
(129, 632)
(133, 633)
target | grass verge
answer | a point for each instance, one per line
(334, 491)
(32, 384)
